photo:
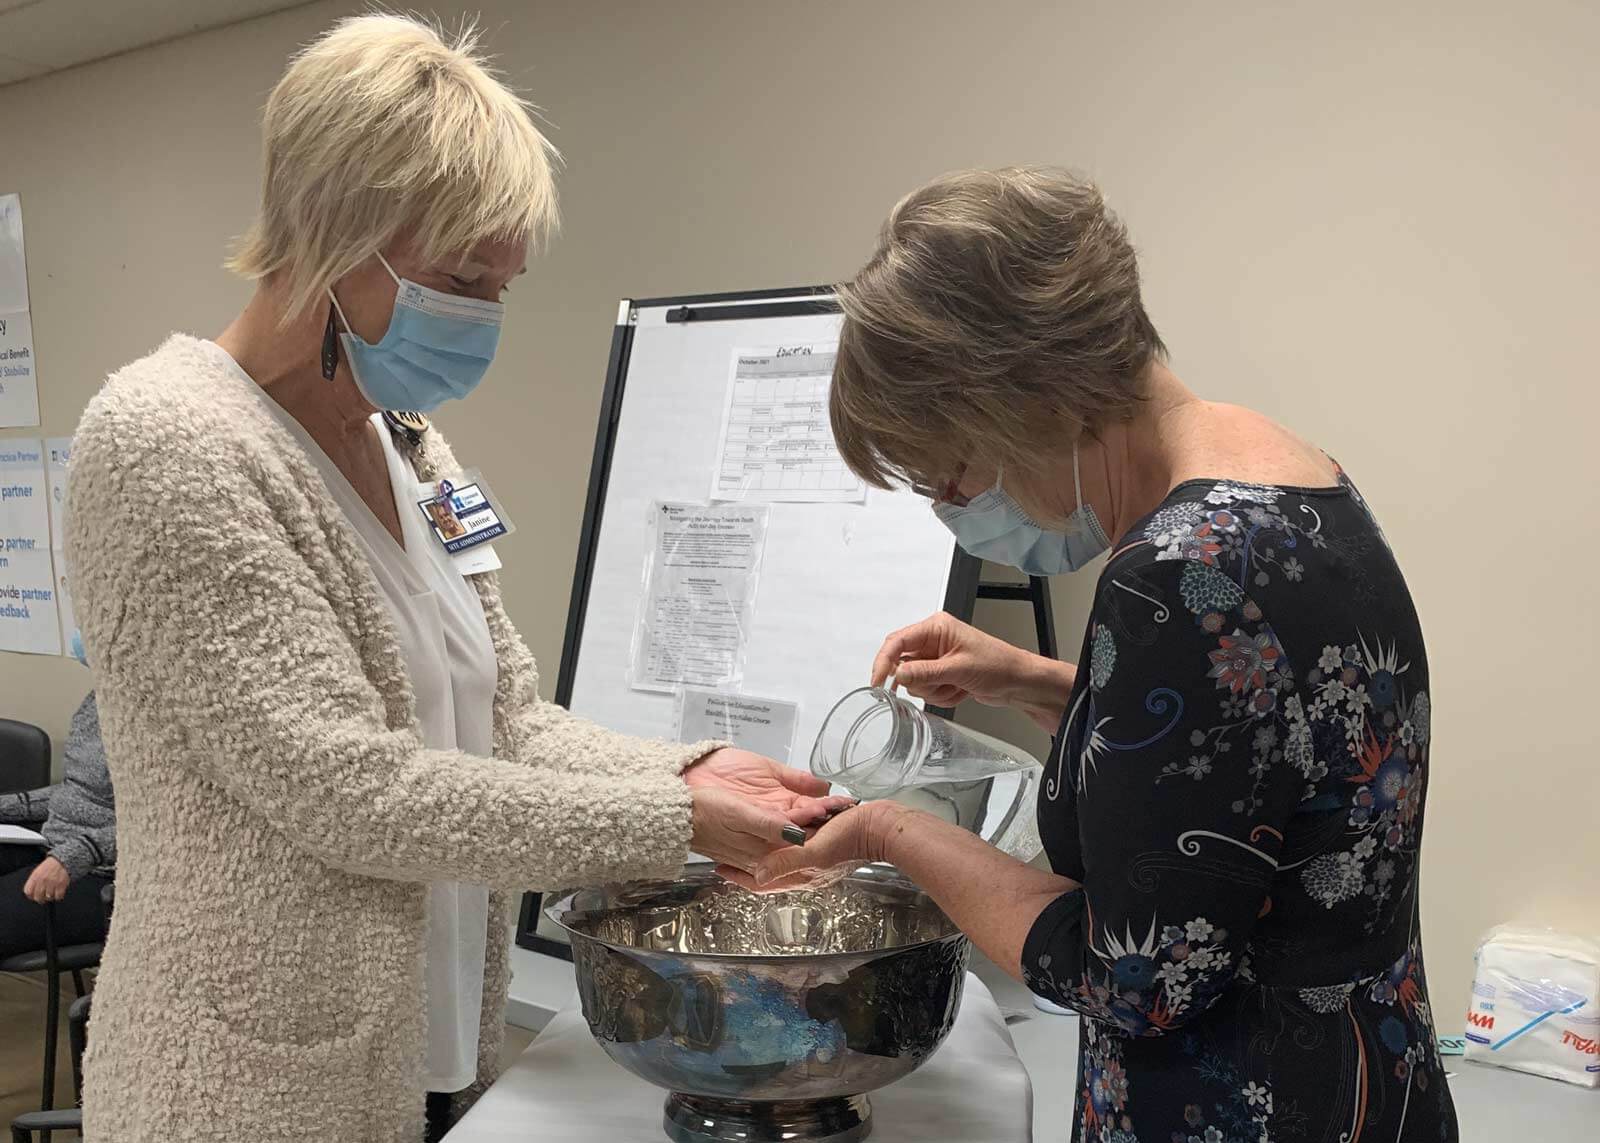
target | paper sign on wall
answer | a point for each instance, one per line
(13, 263)
(763, 725)
(58, 451)
(19, 383)
(71, 638)
(28, 619)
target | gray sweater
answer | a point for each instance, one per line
(78, 813)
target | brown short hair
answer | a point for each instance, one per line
(999, 316)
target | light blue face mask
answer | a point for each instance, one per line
(437, 348)
(992, 527)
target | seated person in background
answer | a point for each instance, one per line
(78, 820)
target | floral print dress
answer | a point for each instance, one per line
(1238, 785)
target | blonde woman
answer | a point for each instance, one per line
(326, 733)
(1234, 806)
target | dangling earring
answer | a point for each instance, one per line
(330, 347)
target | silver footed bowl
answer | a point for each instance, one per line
(767, 1017)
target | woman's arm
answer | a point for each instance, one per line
(541, 734)
(217, 635)
(82, 829)
(1185, 782)
(1039, 689)
(992, 897)
(944, 661)
(534, 732)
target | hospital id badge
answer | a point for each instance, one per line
(463, 513)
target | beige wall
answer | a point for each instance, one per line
(1376, 224)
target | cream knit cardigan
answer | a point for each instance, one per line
(278, 813)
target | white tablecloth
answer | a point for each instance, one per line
(564, 1087)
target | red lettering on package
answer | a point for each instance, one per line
(1583, 1045)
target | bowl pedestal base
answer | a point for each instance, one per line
(703, 1119)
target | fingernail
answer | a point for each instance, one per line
(762, 876)
(794, 835)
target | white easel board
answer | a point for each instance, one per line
(835, 578)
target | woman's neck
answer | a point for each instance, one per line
(1177, 437)
(1145, 457)
(285, 360)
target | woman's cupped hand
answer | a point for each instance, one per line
(858, 837)
(744, 802)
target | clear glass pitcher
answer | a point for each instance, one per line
(877, 744)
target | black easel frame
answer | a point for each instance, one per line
(965, 586)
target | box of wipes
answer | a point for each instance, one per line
(1536, 1004)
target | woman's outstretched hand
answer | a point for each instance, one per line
(858, 837)
(798, 796)
(994, 898)
(734, 831)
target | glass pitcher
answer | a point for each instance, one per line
(877, 744)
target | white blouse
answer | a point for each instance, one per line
(450, 658)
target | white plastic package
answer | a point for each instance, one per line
(1536, 1004)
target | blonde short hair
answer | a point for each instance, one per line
(385, 124)
(998, 318)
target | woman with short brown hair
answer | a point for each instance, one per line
(1233, 806)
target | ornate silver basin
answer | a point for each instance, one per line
(766, 1017)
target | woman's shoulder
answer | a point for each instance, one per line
(1218, 522)
(178, 441)
(186, 402)
(184, 380)
(1311, 559)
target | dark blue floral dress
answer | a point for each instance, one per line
(1238, 784)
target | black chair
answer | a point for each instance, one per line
(53, 960)
(44, 1123)
(24, 756)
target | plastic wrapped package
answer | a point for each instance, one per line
(1536, 1004)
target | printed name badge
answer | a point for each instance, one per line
(463, 513)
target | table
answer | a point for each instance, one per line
(1495, 1104)
(564, 1087)
(1492, 1104)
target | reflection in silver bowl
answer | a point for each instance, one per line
(767, 1017)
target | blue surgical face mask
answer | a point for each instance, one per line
(993, 527)
(75, 648)
(437, 349)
